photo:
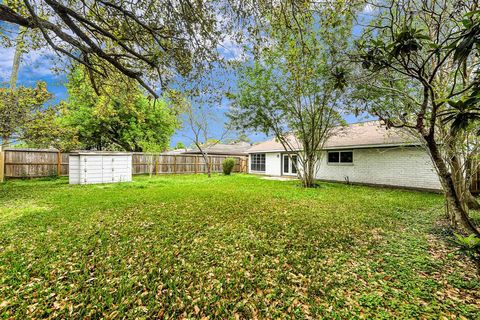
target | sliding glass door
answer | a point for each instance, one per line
(289, 164)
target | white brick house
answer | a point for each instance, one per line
(364, 153)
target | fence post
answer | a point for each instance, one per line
(174, 164)
(59, 164)
(2, 164)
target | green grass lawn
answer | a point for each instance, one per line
(227, 247)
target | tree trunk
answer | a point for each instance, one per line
(472, 203)
(308, 177)
(454, 200)
(207, 164)
(463, 181)
(17, 58)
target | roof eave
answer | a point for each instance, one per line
(366, 146)
(360, 146)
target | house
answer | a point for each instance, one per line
(234, 149)
(364, 153)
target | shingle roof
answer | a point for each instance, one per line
(356, 135)
(175, 152)
(234, 149)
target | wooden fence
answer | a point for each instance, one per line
(144, 163)
(31, 163)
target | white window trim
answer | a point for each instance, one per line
(251, 162)
(341, 163)
(290, 156)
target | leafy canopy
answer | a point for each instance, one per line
(119, 116)
(18, 106)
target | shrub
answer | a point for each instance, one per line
(228, 165)
(469, 245)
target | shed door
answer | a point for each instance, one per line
(107, 169)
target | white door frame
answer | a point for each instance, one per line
(289, 157)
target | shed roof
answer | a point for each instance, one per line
(356, 135)
(100, 153)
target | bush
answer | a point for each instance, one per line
(469, 245)
(228, 165)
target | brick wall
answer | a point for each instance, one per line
(402, 166)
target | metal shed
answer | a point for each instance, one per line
(99, 167)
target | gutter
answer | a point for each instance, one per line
(364, 146)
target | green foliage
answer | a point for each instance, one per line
(468, 43)
(46, 130)
(180, 145)
(225, 247)
(421, 74)
(404, 59)
(294, 87)
(120, 117)
(462, 113)
(17, 107)
(469, 245)
(227, 166)
(144, 40)
(295, 76)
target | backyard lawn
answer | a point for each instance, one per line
(228, 247)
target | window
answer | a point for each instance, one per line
(286, 165)
(289, 164)
(340, 157)
(346, 157)
(257, 162)
(294, 164)
(333, 157)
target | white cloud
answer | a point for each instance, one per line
(232, 50)
(6, 60)
(35, 64)
(370, 9)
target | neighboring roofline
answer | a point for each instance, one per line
(274, 150)
(359, 146)
(218, 153)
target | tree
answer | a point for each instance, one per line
(144, 40)
(45, 130)
(462, 153)
(198, 122)
(420, 73)
(17, 107)
(241, 137)
(198, 118)
(292, 90)
(151, 152)
(180, 145)
(118, 116)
